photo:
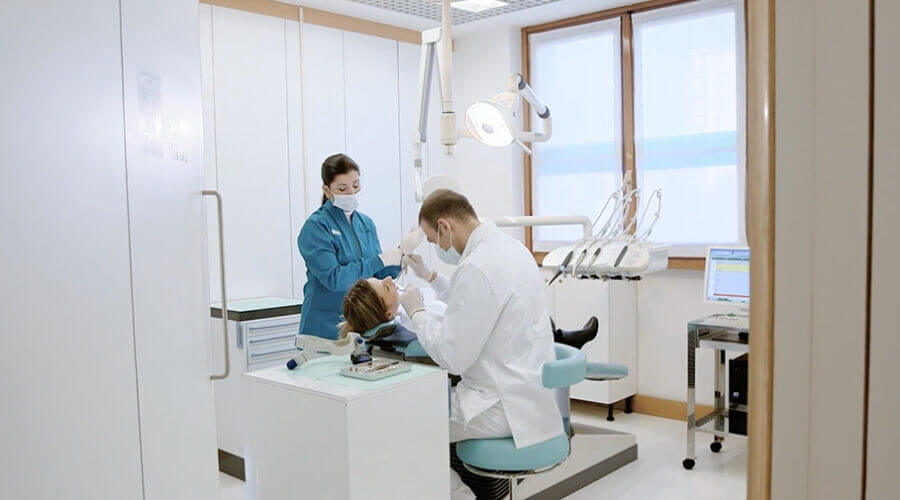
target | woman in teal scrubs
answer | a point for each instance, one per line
(340, 246)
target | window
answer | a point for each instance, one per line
(680, 112)
(579, 74)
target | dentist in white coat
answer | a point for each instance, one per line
(495, 333)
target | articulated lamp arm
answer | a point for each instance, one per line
(517, 83)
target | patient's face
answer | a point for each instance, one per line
(388, 293)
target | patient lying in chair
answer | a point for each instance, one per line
(372, 309)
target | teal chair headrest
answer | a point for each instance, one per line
(569, 368)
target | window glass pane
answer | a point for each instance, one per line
(686, 121)
(576, 72)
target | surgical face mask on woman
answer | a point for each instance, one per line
(346, 202)
(451, 255)
(344, 191)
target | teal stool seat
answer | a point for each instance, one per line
(499, 457)
(606, 371)
(500, 454)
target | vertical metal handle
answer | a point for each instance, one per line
(211, 192)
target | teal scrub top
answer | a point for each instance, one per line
(337, 253)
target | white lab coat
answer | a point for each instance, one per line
(496, 335)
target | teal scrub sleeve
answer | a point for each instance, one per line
(321, 260)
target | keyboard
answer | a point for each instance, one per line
(735, 321)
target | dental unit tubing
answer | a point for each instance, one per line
(550, 220)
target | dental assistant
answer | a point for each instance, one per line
(495, 332)
(340, 246)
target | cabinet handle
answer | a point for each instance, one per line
(212, 192)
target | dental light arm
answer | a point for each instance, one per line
(493, 122)
(518, 82)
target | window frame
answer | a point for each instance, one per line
(627, 74)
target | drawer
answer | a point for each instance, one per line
(264, 330)
(261, 359)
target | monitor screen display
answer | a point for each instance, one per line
(728, 275)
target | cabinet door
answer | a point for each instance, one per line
(209, 146)
(295, 152)
(252, 151)
(168, 248)
(322, 74)
(882, 480)
(69, 419)
(370, 83)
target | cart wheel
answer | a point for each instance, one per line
(715, 446)
(688, 463)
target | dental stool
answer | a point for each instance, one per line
(499, 458)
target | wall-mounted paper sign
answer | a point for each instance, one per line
(150, 119)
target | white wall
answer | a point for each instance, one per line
(667, 301)
(820, 248)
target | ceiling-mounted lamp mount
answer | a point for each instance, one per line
(493, 121)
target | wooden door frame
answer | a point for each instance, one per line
(760, 213)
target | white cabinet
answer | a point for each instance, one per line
(324, 130)
(103, 291)
(261, 334)
(313, 433)
(614, 303)
(251, 144)
(370, 83)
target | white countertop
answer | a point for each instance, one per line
(322, 378)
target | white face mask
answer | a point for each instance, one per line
(346, 202)
(450, 256)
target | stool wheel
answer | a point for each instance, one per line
(715, 446)
(688, 463)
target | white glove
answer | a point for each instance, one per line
(412, 301)
(417, 264)
(412, 240)
(391, 257)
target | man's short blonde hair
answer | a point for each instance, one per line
(446, 203)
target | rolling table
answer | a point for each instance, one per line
(721, 333)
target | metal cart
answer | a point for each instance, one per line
(721, 333)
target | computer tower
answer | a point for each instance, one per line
(737, 394)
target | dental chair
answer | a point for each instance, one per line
(598, 372)
(499, 457)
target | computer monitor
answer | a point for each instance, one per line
(727, 279)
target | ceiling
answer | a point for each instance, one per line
(425, 14)
(431, 9)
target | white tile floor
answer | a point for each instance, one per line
(656, 474)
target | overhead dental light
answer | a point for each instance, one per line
(493, 121)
